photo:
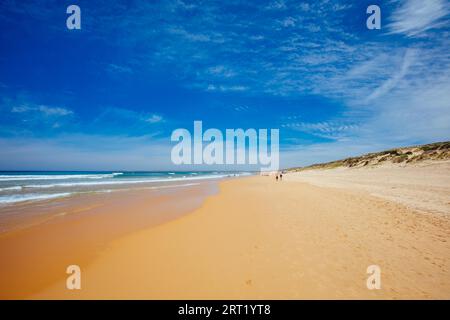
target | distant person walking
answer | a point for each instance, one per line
(281, 176)
(276, 178)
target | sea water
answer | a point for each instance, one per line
(26, 186)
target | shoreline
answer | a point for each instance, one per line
(19, 216)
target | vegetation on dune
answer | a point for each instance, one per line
(414, 154)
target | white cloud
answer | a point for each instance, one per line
(289, 22)
(304, 6)
(42, 109)
(394, 95)
(55, 111)
(225, 88)
(190, 36)
(241, 108)
(414, 17)
(417, 111)
(276, 5)
(335, 130)
(183, 5)
(20, 109)
(222, 71)
(390, 83)
(114, 68)
(120, 118)
(154, 118)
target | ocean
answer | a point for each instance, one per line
(30, 186)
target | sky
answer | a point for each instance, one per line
(108, 96)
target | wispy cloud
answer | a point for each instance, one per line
(398, 75)
(42, 109)
(21, 116)
(154, 118)
(114, 68)
(386, 88)
(414, 17)
(221, 71)
(113, 120)
(241, 108)
(333, 130)
(226, 88)
(276, 5)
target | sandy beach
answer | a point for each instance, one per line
(213, 150)
(255, 239)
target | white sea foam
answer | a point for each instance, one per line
(31, 197)
(116, 182)
(57, 177)
(11, 188)
(33, 193)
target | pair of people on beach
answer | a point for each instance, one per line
(280, 176)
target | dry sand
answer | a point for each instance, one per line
(259, 238)
(423, 186)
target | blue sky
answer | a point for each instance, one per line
(108, 96)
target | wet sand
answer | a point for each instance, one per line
(261, 239)
(41, 240)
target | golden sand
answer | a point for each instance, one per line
(261, 239)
